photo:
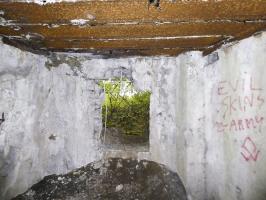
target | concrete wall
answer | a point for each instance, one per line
(50, 122)
(207, 116)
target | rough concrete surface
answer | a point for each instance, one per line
(207, 117)
(111, 179)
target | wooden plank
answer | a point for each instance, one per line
(239, 36)
(108, 53)
(134, 10)
(136, 31)
(9, 31)
(133, 43)
(129, 52)
(131, 25)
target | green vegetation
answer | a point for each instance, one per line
(127, 109)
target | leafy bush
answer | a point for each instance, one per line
(127, 109)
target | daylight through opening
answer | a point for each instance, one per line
(125, 114)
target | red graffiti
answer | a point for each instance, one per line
(239, 96)
(231, 104)
(238, 125)
(249, 150)
(226, 87)
(238, 99)
(221, 127)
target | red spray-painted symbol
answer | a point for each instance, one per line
(249, 150)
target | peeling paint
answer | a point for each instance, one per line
(43, 2)
(79, 22)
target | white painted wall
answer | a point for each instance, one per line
(217, 149)
(39, 103)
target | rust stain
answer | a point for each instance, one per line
(131, 27)
(142, 30)
(121, 11)
(132, 43)
(131, 52)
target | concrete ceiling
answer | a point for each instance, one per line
(129, 27)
